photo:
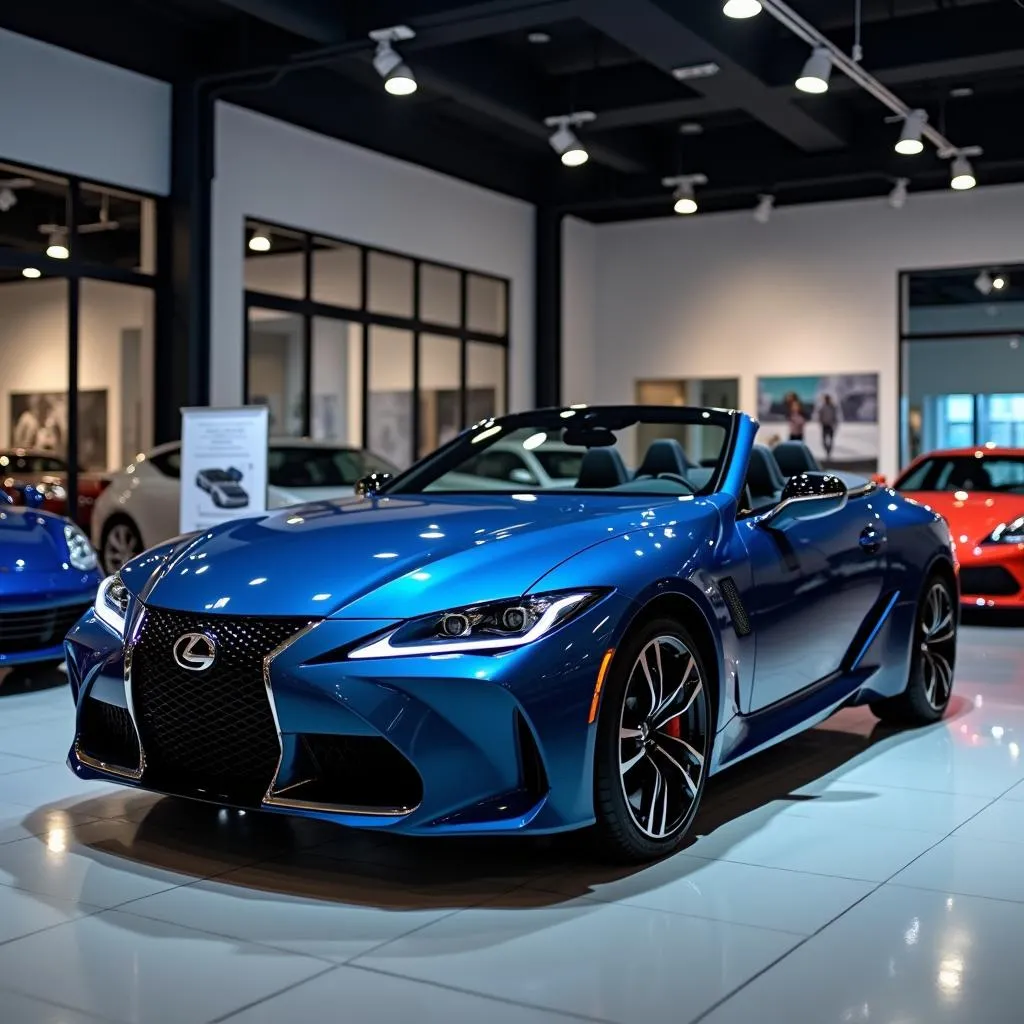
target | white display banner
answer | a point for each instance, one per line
(223, 465)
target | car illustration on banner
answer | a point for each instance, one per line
(980, 492)
(434, 657)
(48, 578)
(223, 487)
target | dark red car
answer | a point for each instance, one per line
(49, 473)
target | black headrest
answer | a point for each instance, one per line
(763, 476)
(795, 457)
(601, 468)
(665, 455)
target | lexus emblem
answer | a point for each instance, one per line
(194, 652)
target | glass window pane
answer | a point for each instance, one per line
(274, 261)
(440, 295)
(389, 398)
(337, 381)
(275, 370)
(960, 408)
(485, 380)
(33, 211)
(116, 229)
(440, 390)
(391, 281)
(337, 273)
(115, 374)
(487, 299)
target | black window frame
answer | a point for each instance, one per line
(310, 309)
(74, 270)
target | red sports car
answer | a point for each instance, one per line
(980, 492)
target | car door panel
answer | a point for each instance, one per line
(813, 585)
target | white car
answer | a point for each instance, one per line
(551, 465)
(139, 508)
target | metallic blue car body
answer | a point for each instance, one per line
(41, 595)
(829, 624)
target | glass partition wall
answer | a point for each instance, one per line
(961, 359)
(78, 292)
(375, 349)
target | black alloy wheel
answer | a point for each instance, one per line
(653, 743)
(932, 663)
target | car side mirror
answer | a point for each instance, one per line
(369, 485)
(806, 496)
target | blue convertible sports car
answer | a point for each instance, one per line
(459, 651)
(48, 578)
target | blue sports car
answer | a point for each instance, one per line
(48, 578)
(457, 650)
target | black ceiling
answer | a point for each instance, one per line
(485, 89)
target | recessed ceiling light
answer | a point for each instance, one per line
(691, 128)
(706, 70)
(538, 38)
(31, 272)
(961, 92)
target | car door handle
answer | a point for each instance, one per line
(871, 540)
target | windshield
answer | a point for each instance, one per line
(987, 474)
(622, 449)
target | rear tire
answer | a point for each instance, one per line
(933, 659)
(653, 743)
(120, 542)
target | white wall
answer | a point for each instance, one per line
(579, 308)
(267, 169)
(813, 291)
(69, 113)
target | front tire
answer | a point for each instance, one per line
(653, 743)
(933, 659)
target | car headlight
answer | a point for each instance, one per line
(1007, 533)
(80, 552)
(496, 626)
(111, 604)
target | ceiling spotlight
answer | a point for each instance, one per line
(909, 143)
(398, 77)
(538, 38)
(999, 283)
(898, 195)
(815, 75)
(564, 140)
(983, 282)
(765, 205)
(31, 273)
(260, 240)
(961, 174)
(741, 8)
(684, 200)
(691, 128)
(7, 199)
(57, 246)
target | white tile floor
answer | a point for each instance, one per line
(853, 874)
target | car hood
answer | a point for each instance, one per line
(395, 558)
(973, 518)
(31, 541)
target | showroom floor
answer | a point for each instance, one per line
(850, 875)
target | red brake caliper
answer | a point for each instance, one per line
(672, 728)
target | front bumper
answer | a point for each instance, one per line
(34, 621)
(463, 743)
(992, 576)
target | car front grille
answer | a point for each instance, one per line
(213, 731)
(38, 629)
(988, 580)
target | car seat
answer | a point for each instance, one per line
(665, 455)
(764, 478)
(972, 477)
(602, 468)
(794, 457)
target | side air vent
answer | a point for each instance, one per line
(535, 779)
(740, 619)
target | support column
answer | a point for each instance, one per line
(548, 305)
(182, 350)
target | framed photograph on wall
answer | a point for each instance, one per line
(39, 420)
(836, 415)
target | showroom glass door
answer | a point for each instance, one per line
(961, 359)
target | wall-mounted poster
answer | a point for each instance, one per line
(223, 465)
(836, 416)
(39, 420)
